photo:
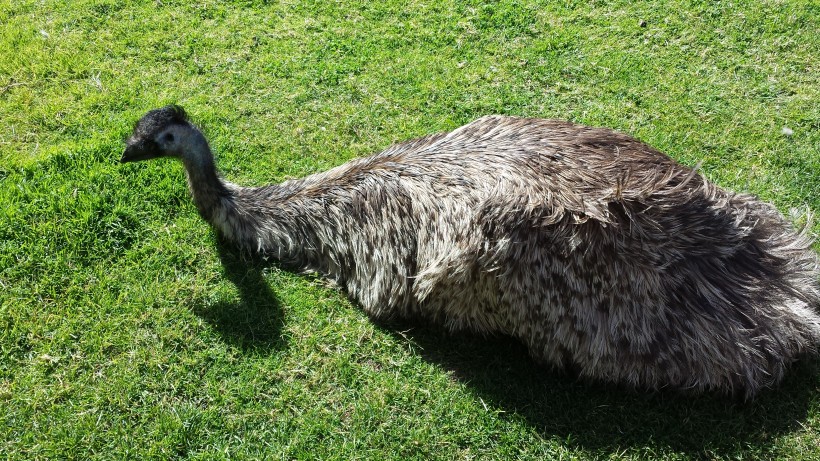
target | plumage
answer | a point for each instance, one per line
(597, 251)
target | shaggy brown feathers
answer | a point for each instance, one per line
(597, 251)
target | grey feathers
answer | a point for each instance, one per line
(597, 251)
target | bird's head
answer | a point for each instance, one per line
(161, 132)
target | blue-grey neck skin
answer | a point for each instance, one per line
(207, 188)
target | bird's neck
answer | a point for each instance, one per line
(248, 216)
(224, 205)
(207, 188)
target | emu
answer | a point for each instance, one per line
(600, 253)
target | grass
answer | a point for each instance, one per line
(128, 331)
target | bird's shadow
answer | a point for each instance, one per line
(608, 418)
(254, 322)
(499, 372)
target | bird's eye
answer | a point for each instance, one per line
(168, 138)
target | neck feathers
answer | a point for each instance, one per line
(232, 210)
(251, 217)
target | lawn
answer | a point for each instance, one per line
(129, 331)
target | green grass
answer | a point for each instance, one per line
(128, 331)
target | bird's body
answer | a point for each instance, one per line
(597, 251)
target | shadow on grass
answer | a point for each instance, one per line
(608, 418)
(255, 321)
(579, 414)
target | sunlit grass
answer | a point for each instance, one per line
(127, 331)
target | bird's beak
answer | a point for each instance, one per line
(139, 151)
